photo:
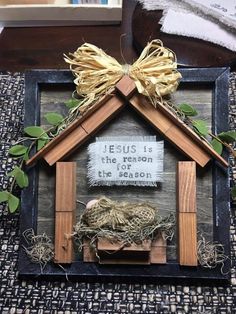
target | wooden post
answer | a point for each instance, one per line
(65, 206)
(187, 218)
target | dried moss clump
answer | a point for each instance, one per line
(40, 249)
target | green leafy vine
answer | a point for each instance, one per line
(218, 141)
(223, 139)
(35, 137)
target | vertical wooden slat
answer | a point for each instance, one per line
(64, 211)
(188, 239)
(65, 186)
(186, 181)
(63, 241)
(187, 218)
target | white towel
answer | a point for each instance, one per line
(222, 10)
(181, 19)
(191, 25)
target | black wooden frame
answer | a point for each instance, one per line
(218, 79)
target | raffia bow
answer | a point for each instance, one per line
(154, 72)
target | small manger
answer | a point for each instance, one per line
(123, 233)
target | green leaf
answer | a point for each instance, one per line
(188, 110)
(13, 203)
(72, 103)
(18, 150)
(20, 176)
(227, 137)
(233, 191)
(34, 131)
(201, 127)
(22, 179)
(14, 172)
(218, 147)
(54, 118)
(4, 195)
(26, 156)
(42, 141)
(41, 144)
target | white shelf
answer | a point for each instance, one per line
(61, 12)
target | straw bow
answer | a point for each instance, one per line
(154, 72)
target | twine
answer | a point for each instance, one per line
(122, 222)
(114, 215)
(154, 72)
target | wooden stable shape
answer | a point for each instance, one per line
(187, 217)
(161, 118)
(34, 210)
(65, 211)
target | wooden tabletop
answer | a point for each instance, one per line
(190, 52)
(43, 47)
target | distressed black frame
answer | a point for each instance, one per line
(218, 79)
